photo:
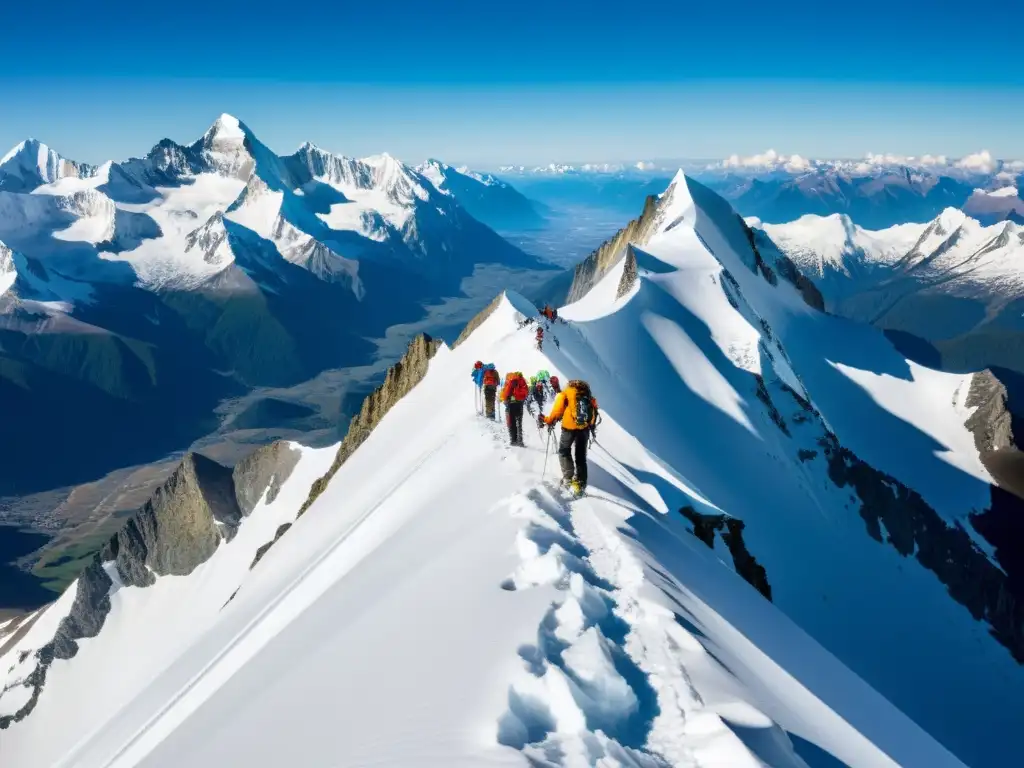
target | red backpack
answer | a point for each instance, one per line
(490, 378)
(520, 390)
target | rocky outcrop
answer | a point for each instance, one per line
(263, 470)
(589, 271)
(281, 531)
(992, 422)
(629, 274)
(400, 379)
(91, 606)
(179, 528)
(478, 320)
(746, 565)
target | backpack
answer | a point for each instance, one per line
(519, 391)
(584, 414)
(491, 378)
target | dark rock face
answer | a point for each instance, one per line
(88, 612)
(281, 531)
(180, 526)
(704, 526)
(746, 565)
(262, 470)
(589, 271)
(992, 423)
(400, 379)
(629, 274)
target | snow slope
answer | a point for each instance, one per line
(539, 629)
(440, 602)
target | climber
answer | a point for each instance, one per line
(514, 395)
(540, 338)
(478, 374)
(555, 385)
(529, 399)
(538, 393)
(577, 409)
(491, 379)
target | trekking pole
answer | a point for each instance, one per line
(547, 450)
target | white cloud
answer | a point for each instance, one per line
(980, 162)
(934, 160)
(795, 163)
(644, 166)
(887, 159)
(767, 159)
(1014, 166)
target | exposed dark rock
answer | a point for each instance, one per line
(400, 379)
(180, 526)
(88, 612)
(992, 423)
(265, 469)
(637, 232)
(805, 455)
(773, 412)
(745, 563)
(629, 273)
(704, 526)
(281, 531)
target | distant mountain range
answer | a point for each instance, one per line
(135, 295)
(877, 191)
(953, 283)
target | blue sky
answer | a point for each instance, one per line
(525, 82)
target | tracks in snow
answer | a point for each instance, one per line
(605, 683)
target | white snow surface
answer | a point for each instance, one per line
(817, 243)
(441, 603)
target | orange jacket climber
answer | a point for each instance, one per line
(565, 407)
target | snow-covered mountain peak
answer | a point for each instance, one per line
(676, 203)
(227, 148)
(227, 127)
(946, 223)
(32, 163)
